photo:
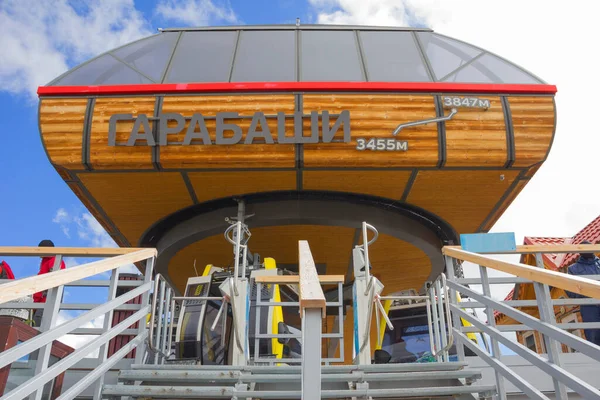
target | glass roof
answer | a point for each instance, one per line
(282, 53)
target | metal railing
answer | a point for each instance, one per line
(546, 325)
(54, 283)
(441, 337)
(339, 335)
(162, 320)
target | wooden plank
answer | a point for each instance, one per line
(533, 124)
(476, 136)
(136, 200)
(103, 156)
(291, 279)
(546, 249)
(216, 185)
(61, 125)
(198, 155)
(389, 184)
(462, 198)
(311, 293)
(66, 251)
(374, 116)
(572, 283)
(28, 286)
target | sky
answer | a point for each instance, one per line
(40, 40)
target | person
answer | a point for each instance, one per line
(20, 313)
(587, 264)
(5, 271)
(46, 266)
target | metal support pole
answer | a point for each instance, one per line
(311, 354)
(442, 321)
(141, 351)
(49, 318)
(460, 348)
(168, 315)
(485, 284)
(366, 251)
(103, 353)
(544, 301)
(159, 325)
(435, 319)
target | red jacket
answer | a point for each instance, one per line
(45, 267)
(5, 269)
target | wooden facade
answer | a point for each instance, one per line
(466, 171)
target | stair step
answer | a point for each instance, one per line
(194, 392)
(325, 369)
(235, 376)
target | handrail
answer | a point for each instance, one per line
(311, 292)
(25, 251)
(543, 249)
(575, 284)
(54, 283)
(28, 286)
(150, 341)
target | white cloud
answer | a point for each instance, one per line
(556, 45)
(78, 341)
(91, 232)
(196, 12)
(41, 39)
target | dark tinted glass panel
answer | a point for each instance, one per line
(150, 56)
(265, 56)
(445, 54)
(105, 70)
(392, 57)
(329, 56)
(202, 57)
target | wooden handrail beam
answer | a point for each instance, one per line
(311, 293)
(33, 284)
(67, 251)
(549, 249)
(295, 279)
(575, 284)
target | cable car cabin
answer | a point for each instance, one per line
(410, 340)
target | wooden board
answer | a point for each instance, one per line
(229, 156)
(61, 124)
(136, 200)
(476, 137)
(103, 156)
(462, 198)
(215, 185)
(374, 116)
(533, 121)
(311, 293)
(292, 279)
(388, 184)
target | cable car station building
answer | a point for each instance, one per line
(314, 129)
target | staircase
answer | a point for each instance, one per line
(398, 381)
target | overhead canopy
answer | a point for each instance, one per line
(308, 53)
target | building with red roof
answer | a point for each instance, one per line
(554, 262)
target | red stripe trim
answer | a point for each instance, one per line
(427, 87)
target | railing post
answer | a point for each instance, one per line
(49, 318)
(167, 314)
(312, 308)
(161, 305)
(103, 352)
(460, 347)
(544, 301)
(485, 284)
(140, 351)
(442, 321)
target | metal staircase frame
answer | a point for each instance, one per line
(552, 332)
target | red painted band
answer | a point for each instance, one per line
(413, 87)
